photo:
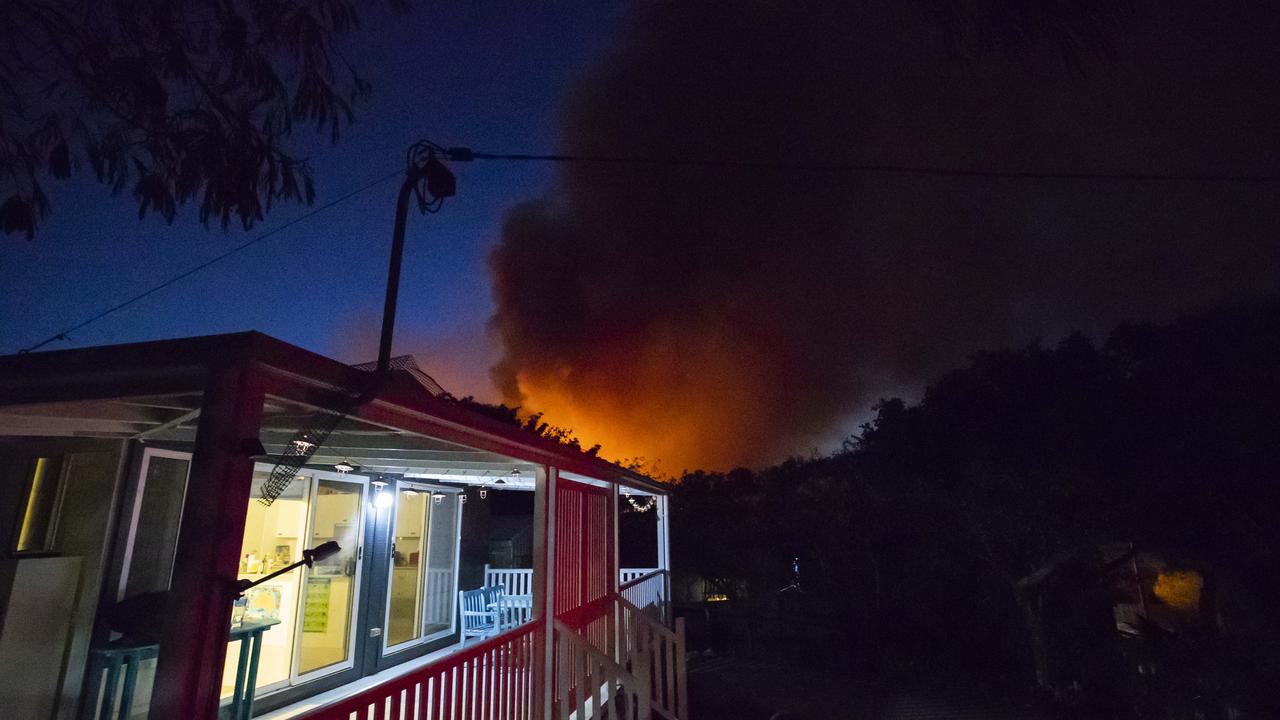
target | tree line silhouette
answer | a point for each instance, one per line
(972, 534)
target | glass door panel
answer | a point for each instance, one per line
(274, 536)
(442, 558)
(404, 596)
(330, 590)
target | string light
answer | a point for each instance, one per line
(642, 507)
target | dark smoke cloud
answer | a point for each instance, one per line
(711, 317)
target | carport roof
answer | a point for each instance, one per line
(181, 368)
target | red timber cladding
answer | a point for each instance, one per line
(584, 559)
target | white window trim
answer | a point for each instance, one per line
(139, 490)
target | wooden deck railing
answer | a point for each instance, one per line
(514, 581)
(656, 654)
(590, 685)
(519, 581)
(493, 680)
(650, 592)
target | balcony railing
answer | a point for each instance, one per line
(493, 679)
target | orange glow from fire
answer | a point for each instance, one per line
(685, 402)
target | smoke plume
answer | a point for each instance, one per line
(712, 316)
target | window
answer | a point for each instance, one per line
(40, 511)
(157, 517)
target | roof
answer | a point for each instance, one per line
(409, 365)
(157, 388)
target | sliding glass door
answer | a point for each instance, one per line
(422, 577)
(311, 613)
(330, 595)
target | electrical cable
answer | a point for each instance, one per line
(464, 154)
(219, 258)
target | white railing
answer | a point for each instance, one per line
(590, 685)
(519, 581)
(649, 592)
(437, 606)
(493, 680)
(626, 575)
(656, 655)
(514, 581)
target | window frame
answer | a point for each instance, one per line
(24, 505)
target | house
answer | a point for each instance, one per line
(144, 487)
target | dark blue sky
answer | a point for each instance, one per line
(488, 75)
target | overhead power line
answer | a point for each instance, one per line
(63, 335)
(465, 154)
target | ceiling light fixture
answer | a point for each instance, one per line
(381, 498)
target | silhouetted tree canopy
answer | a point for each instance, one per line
(174, 101)
(962, 533)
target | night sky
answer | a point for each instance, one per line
(489, 75)
(702, 317)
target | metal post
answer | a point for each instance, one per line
(393, 271)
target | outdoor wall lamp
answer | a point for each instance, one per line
(381, 498)
(344, 466)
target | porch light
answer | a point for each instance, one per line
(437, 497)
(344, 467)
(462, 498)
(303, 446)
(381, 498)
(484, 493)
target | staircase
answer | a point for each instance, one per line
(647, 680)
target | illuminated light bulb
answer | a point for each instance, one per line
(381, 498)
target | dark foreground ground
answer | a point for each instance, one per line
(723, 688)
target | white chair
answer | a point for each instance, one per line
(478, 618)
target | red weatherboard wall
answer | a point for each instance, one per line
(584, 557)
